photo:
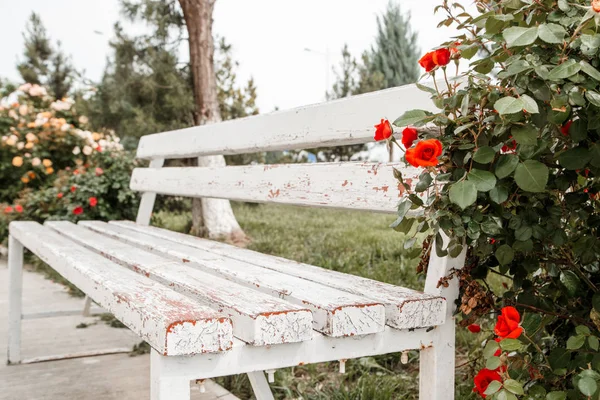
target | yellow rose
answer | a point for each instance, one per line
(31, 175)
(29, 145)
(47, 163)
(25, 179)
(17, 161)
(49, 170)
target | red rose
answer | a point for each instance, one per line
(441, 57)
(8, 210)
(425, 153)
(483, 379)
(427, 62)
(409, 135)
(19, 208)
(565, 128)
(474, 328)
(93, 201)
(60, 195)
(508, 324)
(383, 130)
(99, 171)
(78, 210)
(73, 189)
(509, 147)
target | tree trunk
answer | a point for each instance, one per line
(210, 217)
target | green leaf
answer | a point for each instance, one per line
(505, 395)
(509, 105)
(556, 396)
(523, 233)
(532, 176)
(403, 209)
(493, 387)
(499, 194)
(493, 363)
(484, 180)
(412, 117)
(525, 135)
(575, 342)
(588, 69)
(513, 386)
(425, 180)
(484, 155)
(426, 88)
(587, 386)
(517, 36)
(504, 254)
(570, 280)
(591, 41)
(594, 343)
(564, 70)
(582, 330)
(529, 104)
(463, 194)
(510, 344)
(490, 348)
(551, 33)
(506, 165)
(593, 97)
(575, 158)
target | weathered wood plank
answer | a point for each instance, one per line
(258, 318)
(334, 123)
(349, 185)
(405, 308)
(335, 312)
(170, 322)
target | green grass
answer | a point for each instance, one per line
(352, 242)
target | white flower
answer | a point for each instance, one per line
(13, 114)
(76, 150)
(30, 137)
(36, 161)
(37, 90)
(23, 109)
(24, 87)
(83, 120)
(87, 150)
(20, 145)
(28, 155)
(65, 127)
(61, 105)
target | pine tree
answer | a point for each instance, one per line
(395, 53)
(45, 64)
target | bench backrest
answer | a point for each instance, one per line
(349, 185)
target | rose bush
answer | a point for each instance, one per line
(98, 191)
(516, 181)
(39, 136)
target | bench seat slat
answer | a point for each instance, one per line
(335, 312)
(405, 308)
(347, 185)
(335, 123)
(258, 318)
(170, 322)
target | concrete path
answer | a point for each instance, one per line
(110, 377)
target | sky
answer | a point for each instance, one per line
(269, 38)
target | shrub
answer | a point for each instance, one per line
(95, 191)
(40, 136)
(517, 182)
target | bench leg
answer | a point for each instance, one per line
(15, 290)
(260, 386)
(87, 305)
(436, 369)
(164, 386)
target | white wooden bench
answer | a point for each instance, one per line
(209, 309)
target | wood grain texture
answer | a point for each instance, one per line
(340, 122)
(347, 185)
(258, 318)
(405, 308)
(170, 322)
(335, 312)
